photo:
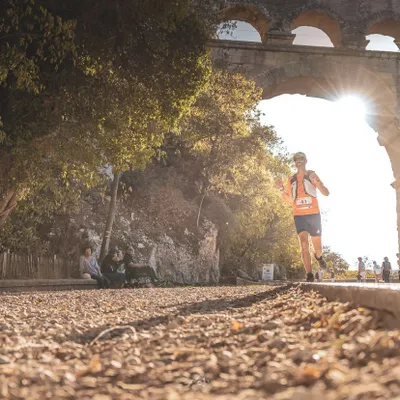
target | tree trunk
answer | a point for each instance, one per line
(198, 214)
(105, 244)
(7, 204)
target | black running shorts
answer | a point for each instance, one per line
(309, 223)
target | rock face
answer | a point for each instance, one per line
(176, 249)
(180, 262)
(195, 260)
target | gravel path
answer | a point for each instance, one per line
(194, 343)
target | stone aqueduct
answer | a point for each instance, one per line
(278, 67)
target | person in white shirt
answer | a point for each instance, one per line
(361, 270)
(377, 271)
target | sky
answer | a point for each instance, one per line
(359, 217)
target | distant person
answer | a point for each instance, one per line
(301, 193)
(321, 274)
(88, 265)
(377, 271)
(109, 267)
(136, 270)
(317, 276)
(386, 270)
(333, 276)
(398, 263)
(362, 272)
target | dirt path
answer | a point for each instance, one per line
(193, 343)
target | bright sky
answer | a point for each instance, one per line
(360, 214)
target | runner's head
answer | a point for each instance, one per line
(300, 160)
(359, 259)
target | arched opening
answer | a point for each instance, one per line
(309, 36)
(308, 105)
(320, 20)
(384, 35)
(381, 43)
(238, 30)
(249, 14)
(342, 148)
(331, 81)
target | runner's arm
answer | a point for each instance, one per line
(318, 183)
(286, 197)
(284, 191)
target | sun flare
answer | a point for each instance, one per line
(351, 108)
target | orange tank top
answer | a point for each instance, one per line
(304, 204)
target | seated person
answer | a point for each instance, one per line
(134, 269)
(88, 265)
(109, 267)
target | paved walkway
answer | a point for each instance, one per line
(380, 296)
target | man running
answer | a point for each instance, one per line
(301, 193)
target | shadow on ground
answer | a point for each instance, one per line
(203, 307)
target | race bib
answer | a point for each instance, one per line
(304, 202)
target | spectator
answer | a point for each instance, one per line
(398, 262)
(377, 271)
(134, 269)
(386, 270)
(361, 270)
(321, 274)
(109, 267)
(333, 276)
(89, 265)
(317, 276)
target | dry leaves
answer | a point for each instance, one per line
(214, 343)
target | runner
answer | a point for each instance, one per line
(301, 193)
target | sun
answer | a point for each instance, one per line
(351, 109)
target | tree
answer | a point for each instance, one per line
(228, 154)
(110, 216)
(95, 75)
(220, 150)
(335, 261)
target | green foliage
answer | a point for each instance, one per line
(229, 155)
(85, 84)
(346, 275)
(335, 261)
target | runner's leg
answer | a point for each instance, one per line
(305, 250)
(317, 244)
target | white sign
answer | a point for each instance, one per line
(268, 272)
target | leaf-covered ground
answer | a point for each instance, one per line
(193, 343)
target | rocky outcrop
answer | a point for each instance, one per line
(165, 235)
(194, 260)
(180, 262)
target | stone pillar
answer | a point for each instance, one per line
(354, 41)
(390, 138)
(280, 37)
(396, 186)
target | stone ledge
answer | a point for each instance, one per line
(379, 296)
(383, 297)
(24, 285)
(335, 51)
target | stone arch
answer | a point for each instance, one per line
(384, 23)
(247, 13)
(330, 81)
(320, 18)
